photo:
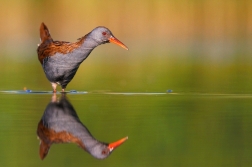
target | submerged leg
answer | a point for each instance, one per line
(54, 86)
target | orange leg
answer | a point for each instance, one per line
(54, 86)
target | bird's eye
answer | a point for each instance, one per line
(104, 152)
(104, 33)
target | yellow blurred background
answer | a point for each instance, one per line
(160, 24)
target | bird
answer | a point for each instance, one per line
(60, 60)
(61, 124)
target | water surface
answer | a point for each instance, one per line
(164, 129)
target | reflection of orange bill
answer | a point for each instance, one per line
(113, 145)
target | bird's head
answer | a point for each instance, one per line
(102, 150)
(104, 35)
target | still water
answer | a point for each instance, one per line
(163, 129)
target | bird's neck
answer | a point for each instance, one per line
(90, 43)
(85, 48)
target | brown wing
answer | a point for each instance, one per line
(48, 136)
(46, 49)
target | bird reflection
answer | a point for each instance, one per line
(61, 124)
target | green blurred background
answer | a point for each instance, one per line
(199, 49)
(199, 46)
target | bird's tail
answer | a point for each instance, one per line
(43, 149)
(44, 34)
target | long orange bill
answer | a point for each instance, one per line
(113, 145)
(116, 41)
